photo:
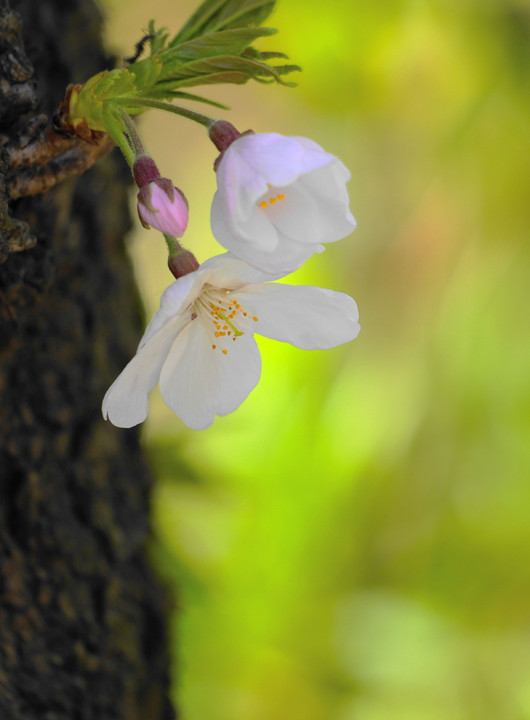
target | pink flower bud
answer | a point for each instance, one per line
(144, 170)
(223, 134)
(182, 263)
(163, 206)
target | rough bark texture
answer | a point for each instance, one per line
(82, 629)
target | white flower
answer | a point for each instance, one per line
(200, 344)
(278, 198)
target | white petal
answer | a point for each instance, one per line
(313, 209)
(126, 403)
(287, 257)
(330, 180)
(235, 374)
(277, 159)
(198, 382)
(327, 188)
(298, 215)
(230, 272)
(255, 231)
(174, 301)
(307, 317)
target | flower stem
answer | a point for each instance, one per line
(139, 102)
(173, 246)
(115, 130)
(131, 132)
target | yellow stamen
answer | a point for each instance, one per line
(225, 352)
(271, 201)
(229, 324)
(222, 312)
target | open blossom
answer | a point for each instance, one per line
(278, 199)
(200, 344)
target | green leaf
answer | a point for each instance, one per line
(258, 55)
(146, 72)
(227, 68)
(215, 15)
(174, 94)
(109, 84)
(159, 40)
(224, 42)
(221, 32)
(254, 15)
(231, 77)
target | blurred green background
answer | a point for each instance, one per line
(353, 543)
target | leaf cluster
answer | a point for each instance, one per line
(214, 46)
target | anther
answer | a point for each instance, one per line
(225, 352)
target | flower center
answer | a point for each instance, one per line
(224, 313)
(272, 198)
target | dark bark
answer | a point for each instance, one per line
(82, 628)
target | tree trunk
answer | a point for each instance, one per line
(82, 626)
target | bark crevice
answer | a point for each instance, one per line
(82, 616)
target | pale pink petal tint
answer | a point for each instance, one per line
(163, 207)
(278, 200)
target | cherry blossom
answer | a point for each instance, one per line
(278, 199)
(200, 346)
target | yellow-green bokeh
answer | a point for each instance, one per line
(353, 543)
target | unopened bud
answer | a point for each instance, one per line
(163, 206)
(182, 263)
(222, 134)
(144, 170)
